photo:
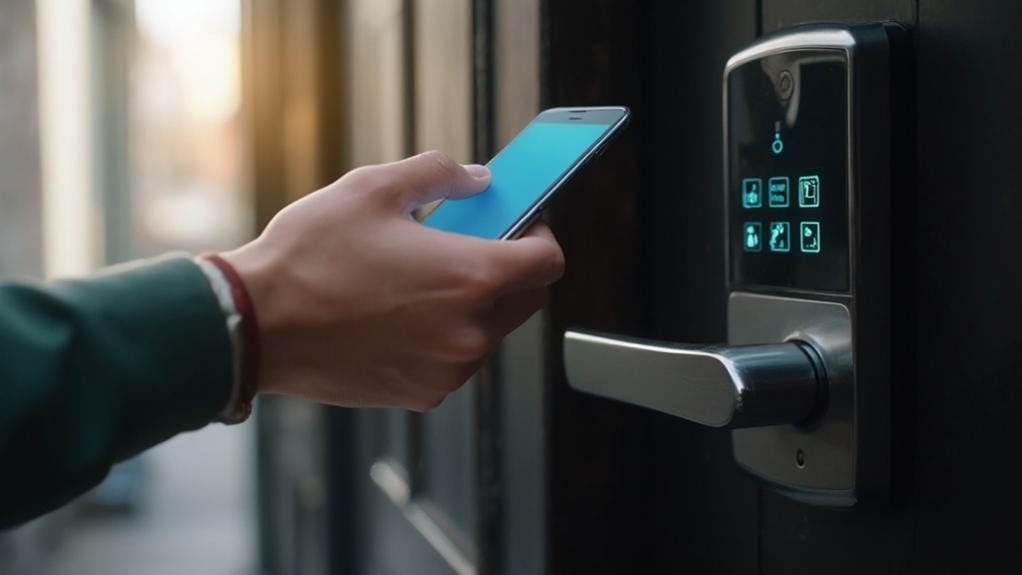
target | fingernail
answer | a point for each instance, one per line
(477, 171)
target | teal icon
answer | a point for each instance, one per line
(809, 192)
(753, 236)
(777, 146)
(780, 237)
(752, 193)
(809, 234)
(777, 188)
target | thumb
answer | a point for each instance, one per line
(432, 176)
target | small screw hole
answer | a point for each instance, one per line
(800, 459)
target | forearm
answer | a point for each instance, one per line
(95, 371)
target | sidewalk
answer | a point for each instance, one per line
(196, 517)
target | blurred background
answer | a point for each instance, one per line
(122, 137)
(129, 128)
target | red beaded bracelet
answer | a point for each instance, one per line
(249, 333)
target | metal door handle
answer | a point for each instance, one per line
(722, 386)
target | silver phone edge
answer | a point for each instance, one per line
(523, 223)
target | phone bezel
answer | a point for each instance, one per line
(564, 115)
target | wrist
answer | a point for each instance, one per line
(262, 277)
(243, 325)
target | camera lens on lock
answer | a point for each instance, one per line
(785, 85)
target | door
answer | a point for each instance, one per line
(417, 504)
(336, 84)
(632, 490)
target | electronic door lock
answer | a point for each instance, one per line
(785, 385)
(812, 122)
(727, 387)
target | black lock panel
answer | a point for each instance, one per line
(788, 174)
(813, 120)
(804, 379)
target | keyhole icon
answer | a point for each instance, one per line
(777, 146)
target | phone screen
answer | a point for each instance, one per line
(523, 173)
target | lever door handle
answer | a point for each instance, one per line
(718, 386)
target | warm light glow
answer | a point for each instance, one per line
(70, 217)
(199, 41)
(184, 102)
(186, 105)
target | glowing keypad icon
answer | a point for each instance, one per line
(809, 192)
(777, 188)
(779, 238)
(752, 193)
(777, 146)
(809, 237)
(752, 236)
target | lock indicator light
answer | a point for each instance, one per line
(777, 146)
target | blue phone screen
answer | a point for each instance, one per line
(522, 173)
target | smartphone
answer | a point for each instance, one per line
(530, 171)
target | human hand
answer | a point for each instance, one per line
(360, 305)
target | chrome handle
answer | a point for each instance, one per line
(725, 386)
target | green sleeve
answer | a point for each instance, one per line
(94, 371)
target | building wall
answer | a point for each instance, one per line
(20, 228)
(20, 221)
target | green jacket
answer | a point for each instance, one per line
(94, 371)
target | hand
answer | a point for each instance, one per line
(360, 305)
